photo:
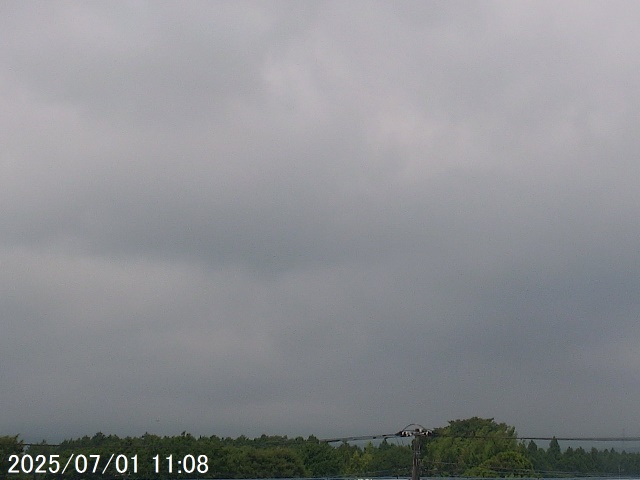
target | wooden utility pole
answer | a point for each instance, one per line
(415, 470)
(416, 433)
(412, 430)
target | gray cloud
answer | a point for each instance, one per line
(299, 219)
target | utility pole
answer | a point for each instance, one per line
(412, 430)
(415, 468)
(416, 433)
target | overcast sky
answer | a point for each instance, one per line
(329, 218)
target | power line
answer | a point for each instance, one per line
(584, 439)
(480, 437)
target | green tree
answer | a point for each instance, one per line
(9, 445)
(508, 463)
(361, 461)
(466, 444)
(319, 458)
(392, 460)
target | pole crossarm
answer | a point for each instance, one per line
(408, 431)
(412, 430)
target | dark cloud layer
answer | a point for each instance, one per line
(334, 218)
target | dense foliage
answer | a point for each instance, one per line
(474, 447)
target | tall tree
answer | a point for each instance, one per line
(465, 444)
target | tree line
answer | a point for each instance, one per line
(474, 447)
